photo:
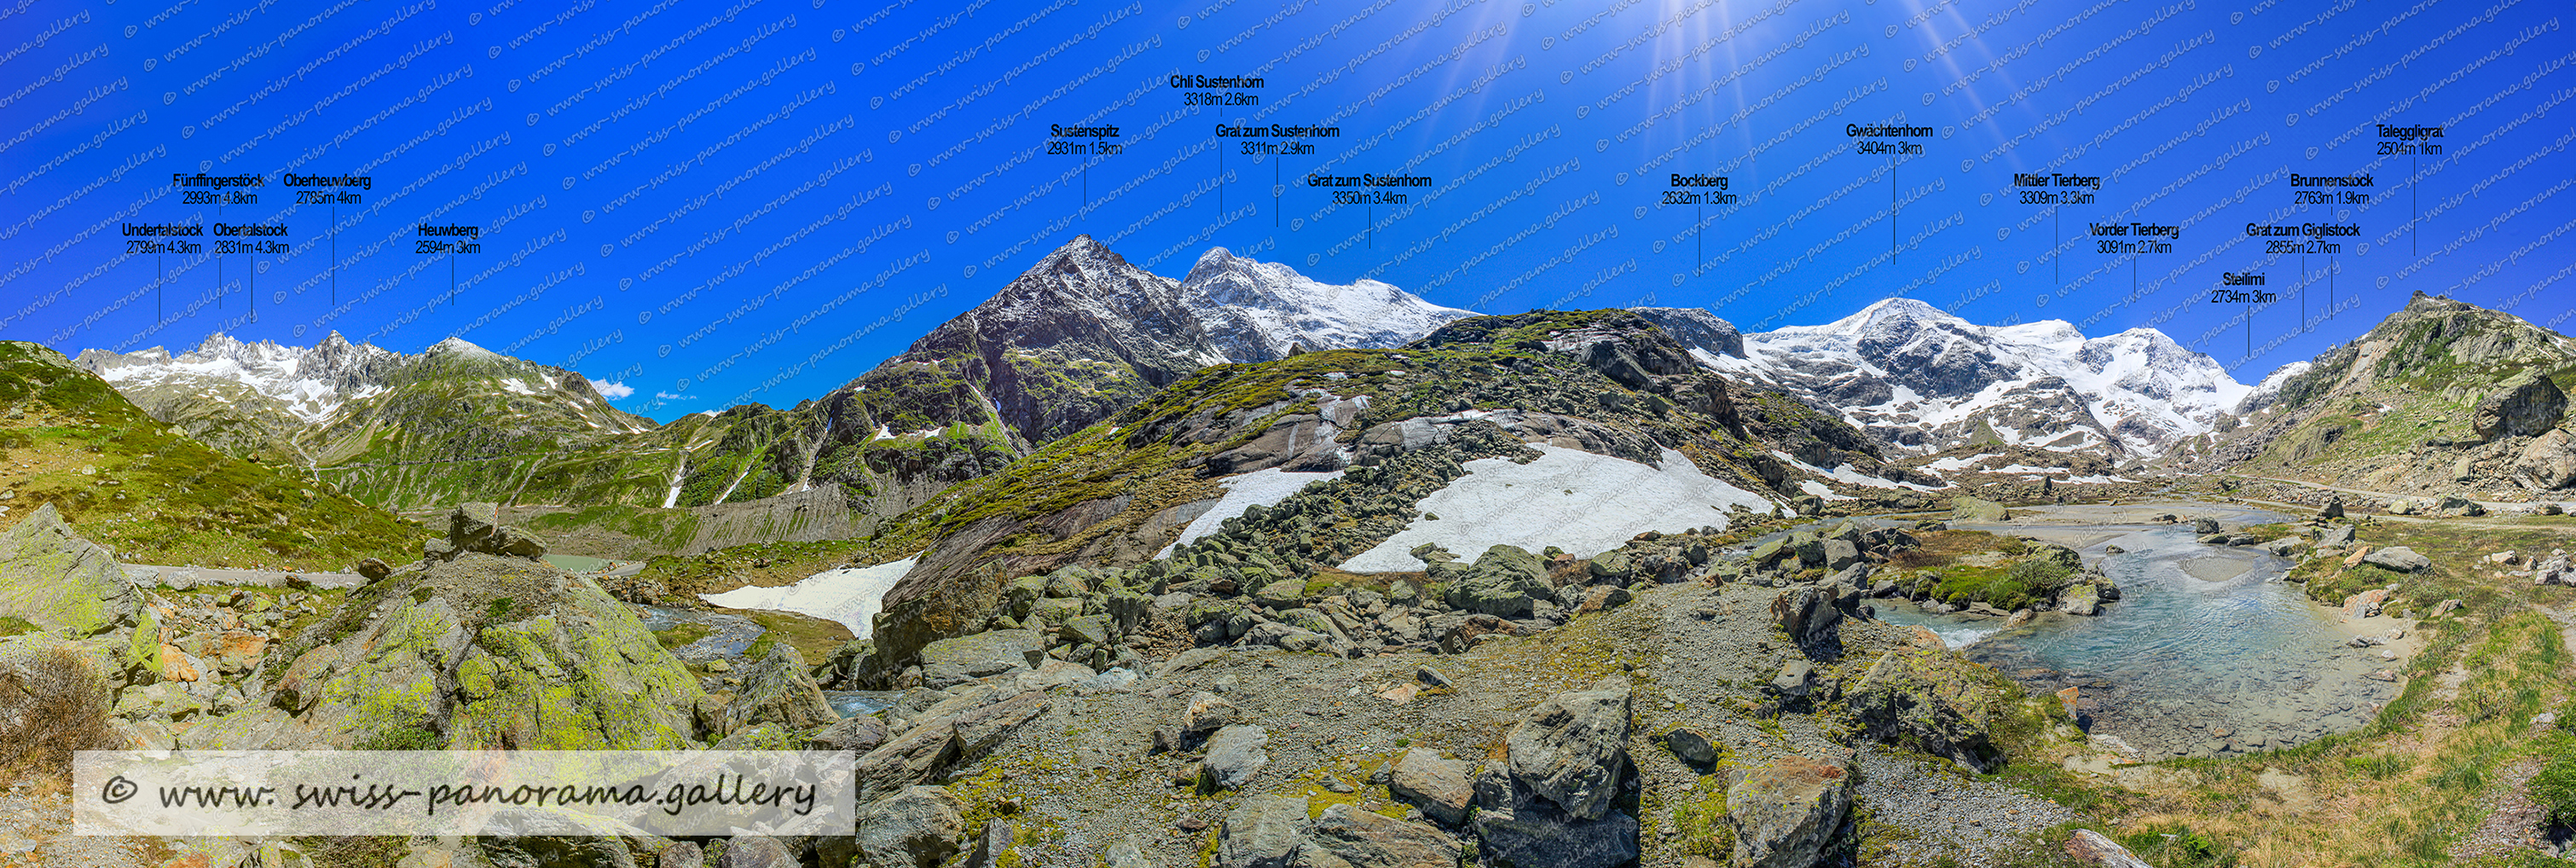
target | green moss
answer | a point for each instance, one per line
(681, 634)
(1700, 815)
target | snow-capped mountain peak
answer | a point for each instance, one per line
(1258, 310)
(1928, 380)
(309, 383)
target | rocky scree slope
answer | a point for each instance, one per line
(156, 495)
(2442, 397)
(1704, 719)
(1399, 423)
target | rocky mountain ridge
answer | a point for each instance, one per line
(2443, 398)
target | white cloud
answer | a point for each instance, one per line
(612, 389)
(671, 397)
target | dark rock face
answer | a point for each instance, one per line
(1696, 328)
(477, 527)
(2525, 406)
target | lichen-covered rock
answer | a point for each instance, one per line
(1344, 838)
(1785, 811)
(486, 652)
(1437, 784)
(916, 828)
(1234, 754)
(1571, 748)
(992, 652)
(777, 690)
(1503, 583)
(2399, 558)
(1537, 833)
(1262, 832)
(1931, 701)
(53, 578)
(1807, 612)
(1966, 508)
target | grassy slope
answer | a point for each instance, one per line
(155, 496)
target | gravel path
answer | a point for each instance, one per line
(1968, 820)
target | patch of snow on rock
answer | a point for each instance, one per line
(1264, 487)
(849, 596)
(1569, 498)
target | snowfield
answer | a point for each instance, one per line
(850, 596)
(1575, 500)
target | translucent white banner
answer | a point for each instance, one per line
(323, 792)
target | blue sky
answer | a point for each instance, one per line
(707, 203)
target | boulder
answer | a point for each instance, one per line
(1262, 832)
(2524, 406)
(1502, 583)
(2553, 570)
(858, 734)
(2204, 526)
(681, 854)
(1613, 567)
(1840, 554)
(980, 730)
(1344, 838)
(488, 652)
(2333, 508)
(2548, 462)
(741, 851)
(1436, 784)
(2093, 848)
(1208, 712)
(910, 757)
(1537, 833)
(988, 653)
(1282, 594)
(777, 690)
(917, 828)
(2460, 506)
(1807, 613)
(2081, 598)
(1286, 637)
(1964, 508)
(54, 579)
(2334, 535)
(1234, 754)
(2399, 558)
(1930, 701)
(1571, 748)
(1691, 746)
(1786, 811)
(2365, 604)
(1793, 679)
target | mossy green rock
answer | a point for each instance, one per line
(54, 579)
(491, 652)
(1977, 509)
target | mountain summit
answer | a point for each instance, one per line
(1084, 333)
(1927, 381)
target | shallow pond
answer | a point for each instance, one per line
(2206, 652)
